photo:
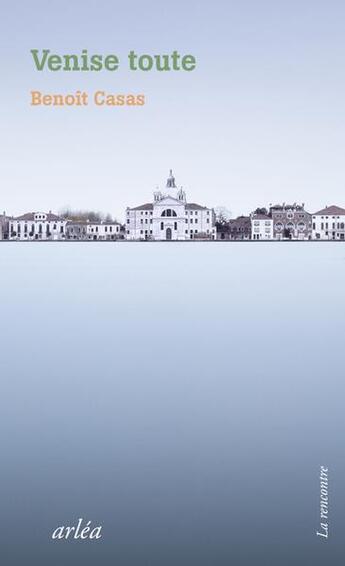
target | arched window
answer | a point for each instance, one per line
(169, 212)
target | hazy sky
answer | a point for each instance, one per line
(261, 120)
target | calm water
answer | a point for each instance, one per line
(181, 395)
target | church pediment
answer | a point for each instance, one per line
(168, 200)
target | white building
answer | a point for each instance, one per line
(329, 224)
(37, 226)
(262, 227)
(102, 230)
(170, 217)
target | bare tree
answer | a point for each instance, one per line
(223, 215)
(86, 215)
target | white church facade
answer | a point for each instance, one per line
(170, 217)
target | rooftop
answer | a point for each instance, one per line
(31, 216)
(331, 210)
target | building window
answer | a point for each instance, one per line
(168, 212)
(175, 225)
(162, 225)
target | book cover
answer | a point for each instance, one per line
(172, 252)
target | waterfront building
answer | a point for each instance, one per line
(103, 230)
(329, 223)
(170, 217)
(76, 230)
(240, 228)
(37, 226)
(291, 222)
(261, 226)
(235, 229)
(96, 230)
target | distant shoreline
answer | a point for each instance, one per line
(124, 241)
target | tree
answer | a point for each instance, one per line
(223, 215)
(85, 215)
(261, 211)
